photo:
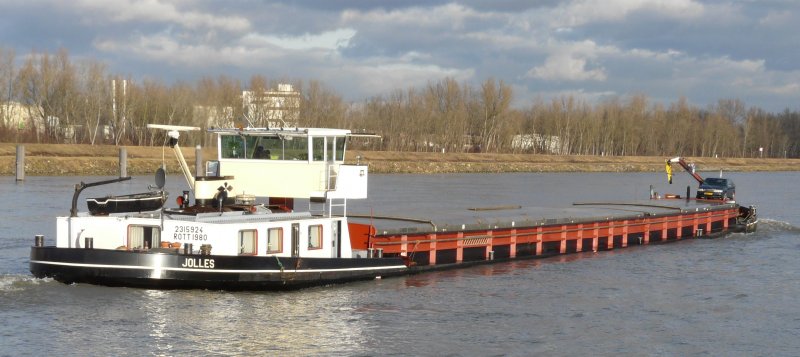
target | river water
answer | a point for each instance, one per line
(731, 296)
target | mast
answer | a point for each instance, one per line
(173, 131)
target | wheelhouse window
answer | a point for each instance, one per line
(262, 147)
(275, 240)
(318, 148)
(330, 148)
(247, 242)
(296, 148)
(233, 146)
(340, 141)
(142, 237)
(315, 237)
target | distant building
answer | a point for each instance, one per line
(22, 117)
(217, 117)
(545, 143)
(15, 115)
(272, 108)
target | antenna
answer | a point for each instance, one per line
(249, 123)
(172, 127)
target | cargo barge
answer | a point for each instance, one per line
(243, 231)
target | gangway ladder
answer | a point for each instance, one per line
(329, 204)
(330, 185)
(332, 175)
(319, 208)
(326, 208)
(342, 203)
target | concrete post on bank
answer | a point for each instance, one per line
(20, 172)
(123, 162)
(198, 162)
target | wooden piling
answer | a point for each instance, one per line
(20, 172)
(198, 161)
(123, 162)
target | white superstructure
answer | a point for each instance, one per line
(252, 163)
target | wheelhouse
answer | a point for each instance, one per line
(311, 145)
(288, 163)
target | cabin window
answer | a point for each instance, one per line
(331, 148)
(267, 148)
(247, 242)
(295, 148)
(340, 141)
(275, 240)
(233, 146)
(318, 148)
(142, 237)
(315, 237)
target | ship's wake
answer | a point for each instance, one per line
(17, 282)
(767, 225)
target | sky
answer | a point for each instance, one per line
(703, 50)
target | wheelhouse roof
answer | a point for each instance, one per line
(282, 131)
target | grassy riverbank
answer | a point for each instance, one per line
(102, 160)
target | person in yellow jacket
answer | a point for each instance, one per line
(669, 172)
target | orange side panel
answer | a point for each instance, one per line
(359, 234)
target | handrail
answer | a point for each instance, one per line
(625, 204)
(392, 218)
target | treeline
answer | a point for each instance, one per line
(74, 101)
(459, 117)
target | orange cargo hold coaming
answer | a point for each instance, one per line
(586, 230)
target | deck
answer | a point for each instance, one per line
(435, 237)
(438, 219)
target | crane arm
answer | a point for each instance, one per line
(688, 167)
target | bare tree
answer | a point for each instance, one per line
(320, 106)
(65, 101)
(493, 106)
(97, 100)
(7, 73)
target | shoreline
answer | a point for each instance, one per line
(103, 160)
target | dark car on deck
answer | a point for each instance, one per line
(717, 188)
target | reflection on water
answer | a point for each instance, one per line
(153, 305)
(730, 296)
(307, 323)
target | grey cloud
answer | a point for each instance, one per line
(704, 50)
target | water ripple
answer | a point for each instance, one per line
(14, 283)
(766, 225)
(730, 296)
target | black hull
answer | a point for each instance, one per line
(213, 272)
(159, 270)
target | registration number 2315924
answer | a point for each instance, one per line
(189, 233)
